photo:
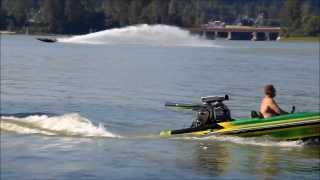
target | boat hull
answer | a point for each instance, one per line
(286, 127)
(284, 133)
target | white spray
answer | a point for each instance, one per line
(154, 35)
(66, 125)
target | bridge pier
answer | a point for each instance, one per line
(267, 34)
(229, 37)
(264, 36)
(254, 36)
(216, 34)
(209, 35)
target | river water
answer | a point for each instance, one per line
(91, 107)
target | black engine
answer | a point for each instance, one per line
(212, 111)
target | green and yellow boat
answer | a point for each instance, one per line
(214, 119)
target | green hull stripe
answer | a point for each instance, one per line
(299, 132)
(284, 127)
(276, 118)
(231, 126)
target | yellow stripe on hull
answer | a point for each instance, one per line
(229, 126)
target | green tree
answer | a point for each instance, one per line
(17, 11)
(134, 11)
(291, 16)
(53, 12)
(74, 17)
(155, 12)
(311, 26)
(173, 12)
(117, 12)
(3, 17)
(297, 17)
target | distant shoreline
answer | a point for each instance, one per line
(301, 39)
(7, 32)
(283, 39)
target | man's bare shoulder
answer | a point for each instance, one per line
(267, 100)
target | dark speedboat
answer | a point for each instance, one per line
(47, 40)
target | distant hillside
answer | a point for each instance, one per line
(296, 17)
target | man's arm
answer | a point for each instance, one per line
(275, 107)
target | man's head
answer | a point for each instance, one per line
(269, 90)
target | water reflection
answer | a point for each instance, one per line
(223, 159)
(267, 163)
(213, 159)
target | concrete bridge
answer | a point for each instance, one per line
(239, 32)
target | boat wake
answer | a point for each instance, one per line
(154, 35)
(254, 141)
(53, 125)
(75, 125)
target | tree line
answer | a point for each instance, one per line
(296, 17)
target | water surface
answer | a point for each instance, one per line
(116, 92)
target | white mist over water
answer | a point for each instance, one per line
(66, 125)
(153, 35)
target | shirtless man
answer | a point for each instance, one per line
(269, 107)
